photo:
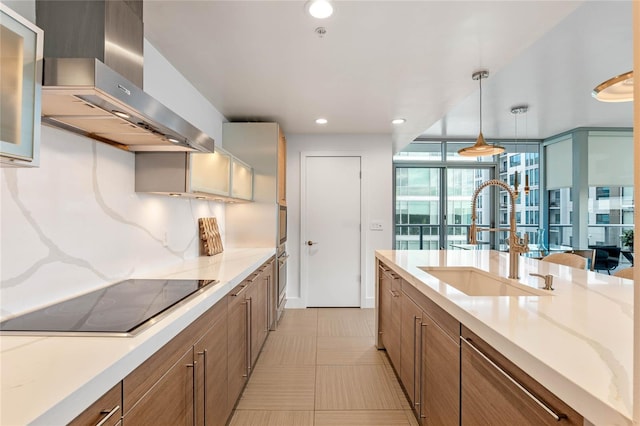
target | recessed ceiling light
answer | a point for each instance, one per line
(398, 121)
(320, 9)
(173, 140)
(321, 121)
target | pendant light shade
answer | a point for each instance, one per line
(481, 148)
(616, 89)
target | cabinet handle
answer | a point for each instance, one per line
(194, 388)
(109, 414)
(394, 293)
(268, 278)
(512, 380)
(247, 352)
(416, 320)
(253, 278)
(203, 354)
(244, 287)
(423, 326)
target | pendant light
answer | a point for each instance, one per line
(517, 110)
(616, 89)
(481, 148)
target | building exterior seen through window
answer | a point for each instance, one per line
(610, 214)
(580, 205)
(434, 187)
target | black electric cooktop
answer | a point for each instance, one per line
(121, 309)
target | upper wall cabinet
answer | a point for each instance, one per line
(20, 92)
(241, 180)
(209, 173)
(265, 147)
(218, 176)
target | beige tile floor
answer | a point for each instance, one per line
(321, 368)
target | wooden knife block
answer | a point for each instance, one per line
(210, 236)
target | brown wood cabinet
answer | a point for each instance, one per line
(107, 409)
(170, 400)
(191, 368)
(238, 349)
(384, 304)
(430, 359)
(390, 315)
(440, 376)
(410, 350)
(252, 299)
(260, 313)
(198, 376)
(212, 408)
(496, 392)
(272, 294)
(454, 383)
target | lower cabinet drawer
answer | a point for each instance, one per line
(170, 401)
(106, 411)
(496, 392)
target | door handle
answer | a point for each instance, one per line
(310, 243)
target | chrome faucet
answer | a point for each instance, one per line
(517, 245)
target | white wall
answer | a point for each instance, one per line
(75, 223)
(376, 151)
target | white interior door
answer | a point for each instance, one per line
(331, 230)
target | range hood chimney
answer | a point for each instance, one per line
(93, 78)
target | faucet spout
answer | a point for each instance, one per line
(517, 245)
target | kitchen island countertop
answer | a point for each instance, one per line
(50, 380)
(577, 342)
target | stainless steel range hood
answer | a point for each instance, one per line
(93, 74)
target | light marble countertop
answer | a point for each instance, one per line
(50, 380)
(577, 342)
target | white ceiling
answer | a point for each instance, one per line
(262, 60)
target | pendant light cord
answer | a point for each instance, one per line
(480, 81)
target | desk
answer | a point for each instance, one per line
(628, 254)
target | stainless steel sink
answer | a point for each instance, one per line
(476, 282)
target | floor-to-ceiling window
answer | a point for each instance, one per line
(589, 176)
(610, 214)
(434, 188)
(560, 217)
(417, 208)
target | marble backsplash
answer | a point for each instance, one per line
(76, 224)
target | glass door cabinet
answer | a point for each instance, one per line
(20, 87)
